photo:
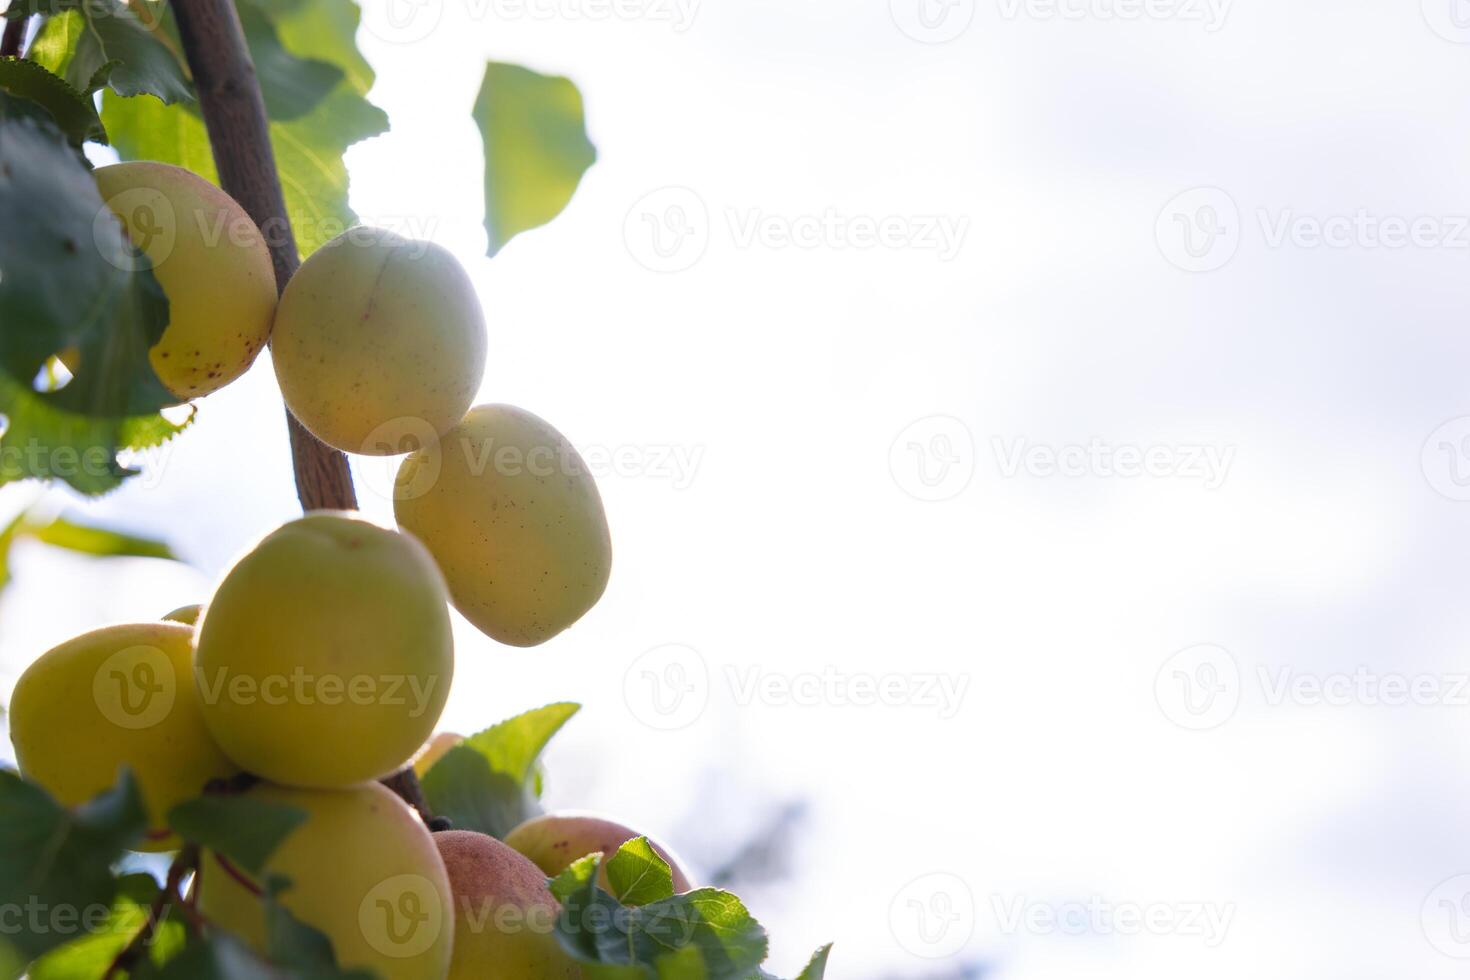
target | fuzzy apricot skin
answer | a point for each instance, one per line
(504, 914)
(117, 696)
(379, 343)
(554, 841)
(213, 264)
(513, 517)
(364, 870)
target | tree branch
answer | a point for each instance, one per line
(239, 135)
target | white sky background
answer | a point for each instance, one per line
(1332, 543)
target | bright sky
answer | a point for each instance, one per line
(1091, 387)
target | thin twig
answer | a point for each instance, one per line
(14, 37)
(239, 136)
(185, 862)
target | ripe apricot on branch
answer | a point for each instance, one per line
(379, 343)
(213, 265)
(364, 870)
(325, 656)
(117, 696)
(504, 915)
(554, 841)
(512, 515)
(188, 615)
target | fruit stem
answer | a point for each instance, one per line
(184, 863)
(15, 36)
(239, 137)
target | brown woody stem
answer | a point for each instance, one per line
(239, 136)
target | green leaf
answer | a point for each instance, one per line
(58, 861)
(219, 957)
(486, 782)
(89, 539)
(291, 86)
(610, 940)
(70, 280)
(123, 45)
(817, 968)
(71, 111)
(308, 146)
(638, 875)
(536, 148)
(298, 947)
(243, 829)
(89, 957)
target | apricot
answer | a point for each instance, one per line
(325, 656)
(212, 263)
(514, 519)
(364, 870)
(379, 343)
(554, 841)
(114, 697)
(504, 914)
(188, 615)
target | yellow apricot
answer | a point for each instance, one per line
(117, 696)
(378, 340)
(325, 656)
(188, 615)
(213, 264)
(364, 870)
(504, 914)
(513, 518)
(554, 841)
